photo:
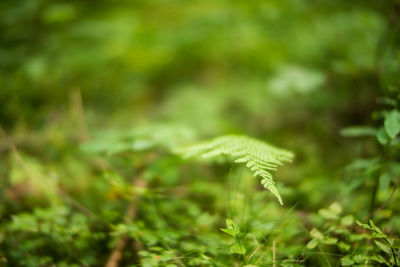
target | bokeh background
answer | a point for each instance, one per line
(291, 72)
(145, 56)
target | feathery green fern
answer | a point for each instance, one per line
(259, 157)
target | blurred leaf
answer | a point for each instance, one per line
(232, 228)
(374, 227)
(330, 240)
(385, 248)
(347, 220)
(359, 258)
(238, 249)
(344, 246)
(332, 212)
(387, 101)
(316, 234)
(312, 244)
(357, 131)
(392, 123)
(347, 261)
(382, 136)
(365, 226)
(298, 79)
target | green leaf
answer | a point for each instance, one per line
(356, 131)
(228, 231)
(232, 228)
(347, 220)
(332, 212)
(382, 136)
(238, 249)
(392, 123)
(336, 208)
(365, 226)
(327, 214)
(312, 244)
(316, 234)
(374, 227)
(347, 261)
(344, 246)
(330, 240)
(385, 248)
(379, 258)
(361, 258)
(232, 225)
(378, 235)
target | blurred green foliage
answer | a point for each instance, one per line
(94, 96)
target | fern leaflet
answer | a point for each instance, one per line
(261, 158)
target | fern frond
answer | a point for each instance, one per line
(261, 158)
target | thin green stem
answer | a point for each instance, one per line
(393, 252)
(375, 186)
(241, 249)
